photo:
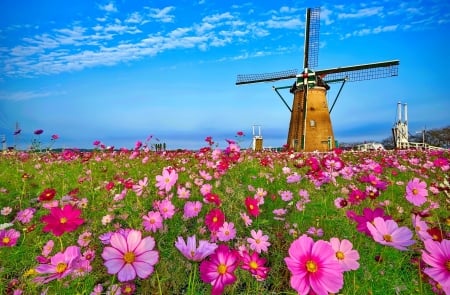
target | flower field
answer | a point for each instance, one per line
(224, 221)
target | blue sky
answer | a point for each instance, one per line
(120, 71)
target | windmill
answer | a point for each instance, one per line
(310, 127)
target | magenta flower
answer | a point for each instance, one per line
(168, 178)
(437, 256)
(38, 131)
(192, 209)
(416, 192)
(152, 221)
(344, 253)
(219, 269)
(368, 216)
(130, 256)
(226, 232)
(258, 242)
(254, 264)
(314, 267)
(61, 265)
(61, 220)
(8, 237)
(214, 219)
(190, 250)
(387, 232)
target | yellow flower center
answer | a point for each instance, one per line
(447, 265)
(6, 240)
(253, 265)
(415, 191)
(257, 241)
(63, 220)
(222, 269)
(152, 221)
(127, 290)
(227, 232)
(311, 266)
(129, 257)
(61, 267)
(192, 253)
(340, 255)
(251, 207)
(214, 219)
(387, 238)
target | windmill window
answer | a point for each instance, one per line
(312, 123)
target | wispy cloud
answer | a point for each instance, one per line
(162, 14)
(110, 7)
(26, 95)
(364, 12)
(371, 31)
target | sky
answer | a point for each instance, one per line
(165, 71)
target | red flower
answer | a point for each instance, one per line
(47, 195)
(252, 206)
(62, 220)
(109, 185)
(38, 131)
(212, 198)
(214, 219)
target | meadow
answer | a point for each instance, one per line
(223, 220)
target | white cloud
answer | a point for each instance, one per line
(162, 14)
(110, 7)
(25, 95)
(365, 12)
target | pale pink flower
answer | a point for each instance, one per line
(152, 221)
(140, 186)
(416, 192)
(183, 193)
(205, 189)
(166, 208)
(247, 220)
(192, 209)
(25, 216)
(345, 254)
(286, 195)
(130, 255)
(84, 239)
(167, 180)
(226, 232)
(48, 248)
(420, 227)
(5, 211)
(258, 242)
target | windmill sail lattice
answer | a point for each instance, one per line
(310, 125)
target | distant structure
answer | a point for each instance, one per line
(257, 143)
(400, 132)
(400, 129)
(310, 126)
(4, 146)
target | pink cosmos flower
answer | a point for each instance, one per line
(84, 239)
(166, 208)
(190, 250)
(254, 264)
(219, 269)
(252, 206)
(61, 220)
(25, 215)
(344, 254)
(129, 256)
(140, 187)
(183, 193)
(286, 195)
(314, 267)
(152, 221)
(421, 227)
(247, 220)
(8, 237)
(192, 209)
(416, 192)
(226, 232)
(48, 248)
(387, 232)
(437, 256)
(258, 242)
(61, 265)
(168, 178)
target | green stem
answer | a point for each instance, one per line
(159, 283)
(60, 243)
(192, 278)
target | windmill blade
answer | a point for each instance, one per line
(312, 28)
(267, 77)
(360, 72)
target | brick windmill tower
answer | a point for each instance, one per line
(310, 127)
